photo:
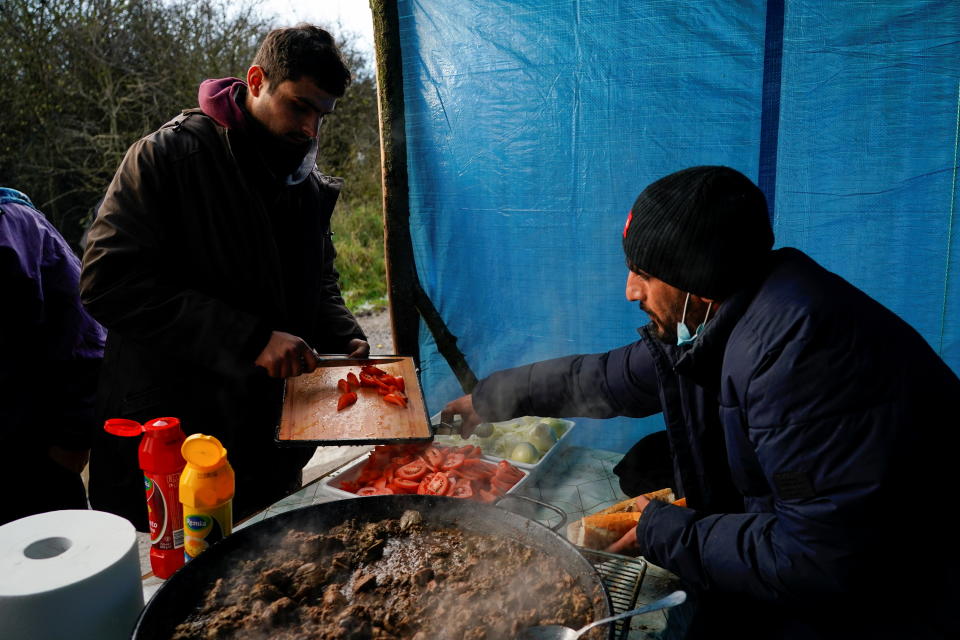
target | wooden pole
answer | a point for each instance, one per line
(393, 158)
(407, 297)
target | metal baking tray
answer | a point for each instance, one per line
(474, 440)
(333, 483)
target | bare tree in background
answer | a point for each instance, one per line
(350, 143)
(89, 77)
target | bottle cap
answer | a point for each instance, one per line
(203, 451)
(158, 425)
(123, 427)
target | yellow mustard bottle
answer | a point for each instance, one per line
(206, 492)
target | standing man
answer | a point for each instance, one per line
(211, 265)
(807, 425)
(50, 353)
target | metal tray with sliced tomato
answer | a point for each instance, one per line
(458, 472)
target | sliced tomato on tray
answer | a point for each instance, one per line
(451, 485)
(367, 476)
(412, 470)
(463, 489)
(507, 471)
(389, 472)
(469, 451)
(434, 484)
(475, 469)
(422, 489)
(452, 461)
(487, 496)
(433, 470)
(434, 457)
(402, 485)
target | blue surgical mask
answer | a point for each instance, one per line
(683, 333)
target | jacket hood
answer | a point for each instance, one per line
(12, 196)
(218, 99)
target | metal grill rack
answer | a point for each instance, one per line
(623, 577)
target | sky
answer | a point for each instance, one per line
(340, 15)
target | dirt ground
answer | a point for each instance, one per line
(379, 333)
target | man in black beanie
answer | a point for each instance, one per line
(805, 424)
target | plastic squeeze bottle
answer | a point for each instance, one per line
(161, 463)
(206, 492)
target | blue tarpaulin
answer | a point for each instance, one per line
(532, 125)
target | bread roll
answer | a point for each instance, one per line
(630, 504)
(603, 528)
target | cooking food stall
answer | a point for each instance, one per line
(385, 537)
(576, 480)
(472, 528)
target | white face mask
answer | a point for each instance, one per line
(683, 333)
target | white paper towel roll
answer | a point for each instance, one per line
(69, 574)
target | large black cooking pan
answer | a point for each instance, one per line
(176, 599)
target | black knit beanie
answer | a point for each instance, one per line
(703, 230)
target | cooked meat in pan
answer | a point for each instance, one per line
(392, 579)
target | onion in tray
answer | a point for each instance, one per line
(524, 452)
(542, 437)
(514, 439)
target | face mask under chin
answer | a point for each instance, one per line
(683, 332)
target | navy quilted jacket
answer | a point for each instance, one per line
(813, 434)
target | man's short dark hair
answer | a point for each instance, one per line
(304, 50)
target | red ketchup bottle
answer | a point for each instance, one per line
(161, 462)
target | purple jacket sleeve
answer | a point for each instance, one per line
(51, 347)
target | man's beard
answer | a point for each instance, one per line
(281, 153)
(664, 332)
(666, 335)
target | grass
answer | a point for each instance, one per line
(358, 237)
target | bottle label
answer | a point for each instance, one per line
(164, 511)
(204, 527)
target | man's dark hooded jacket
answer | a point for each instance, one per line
(198, 252)
(811, 435)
